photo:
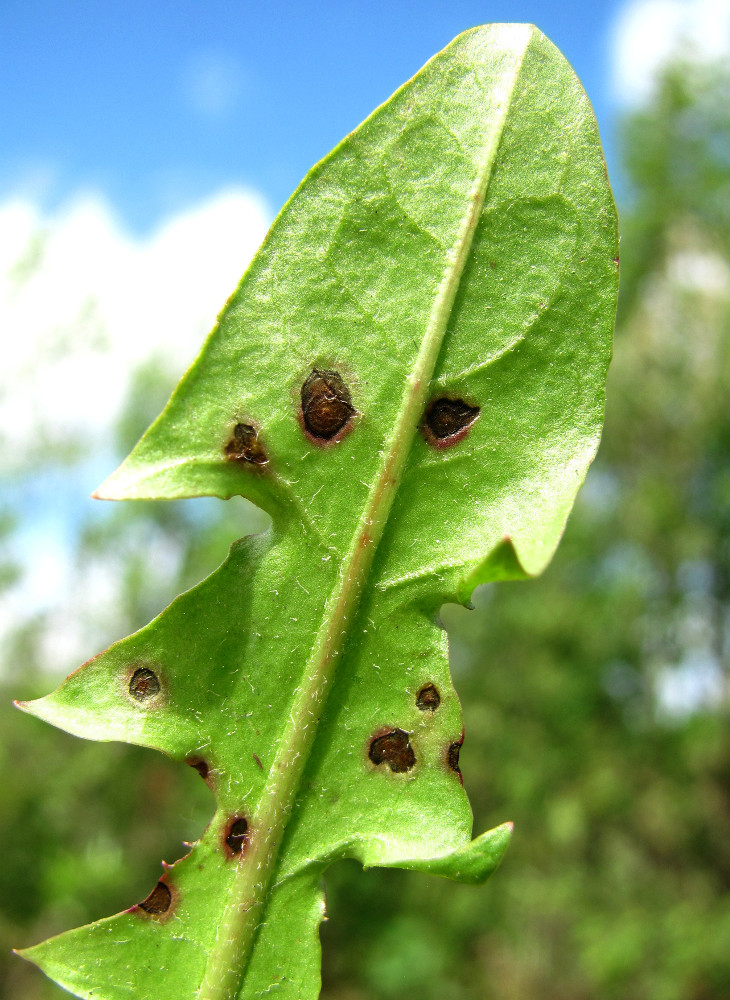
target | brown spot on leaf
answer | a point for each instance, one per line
(452, 756)
(144, 684)
(326, 405)
(244, 446)
(394, 749)
(158, 901)
(237, 835)
(447, 421)
(200, 766)
(428, 698)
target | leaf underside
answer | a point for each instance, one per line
(409, 379)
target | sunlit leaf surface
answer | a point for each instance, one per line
(409, 379)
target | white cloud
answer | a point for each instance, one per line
(647, 33)
(83, 303)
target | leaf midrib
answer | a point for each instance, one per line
(249, 891)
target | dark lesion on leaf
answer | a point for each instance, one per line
(428, 698)
(144, 685)
(447, 421)
(326, 411)
(394, 749)
(452, 755)
(200, 765)
(244, 446)
(237, 835)
(159, 900)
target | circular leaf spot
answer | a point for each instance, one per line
(428, 698)
(447, 421)
(144, 684)
(394, 749)
(244, 446)
(158, 901)
(326, 404)
(237, 835)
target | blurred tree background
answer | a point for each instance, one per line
(596, 699)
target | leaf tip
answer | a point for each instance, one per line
(27, 954)
(132, 480)
(108, 490)
(40, 708)
(37, 955)
(502, 563)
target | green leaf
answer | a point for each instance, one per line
(409, 379)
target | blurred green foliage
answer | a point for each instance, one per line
(596, 699)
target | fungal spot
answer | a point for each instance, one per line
(394, 749)
(452, 756)
(200, 766)
(258, 761)
(158, 901)
(447, 421)
(237, 835)
(428, 698)
(326, 404)
(144, 684)
(245, 446)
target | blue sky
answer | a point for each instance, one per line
(155, 105)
